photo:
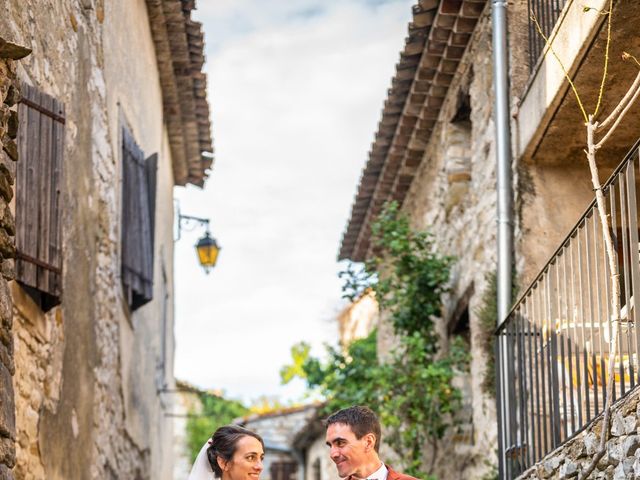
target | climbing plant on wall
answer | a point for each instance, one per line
(412, 390)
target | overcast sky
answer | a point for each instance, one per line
(296, 89)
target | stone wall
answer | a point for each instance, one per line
(358, 319)
(89, 373)
(38, 341)
(453, 197)
(9, 96)
(187, 402)
(319, 464)
(621, 460)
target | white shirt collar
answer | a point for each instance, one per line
(380, 474)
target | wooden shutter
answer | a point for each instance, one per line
(151, 165)
(38, 183)
(137, 222)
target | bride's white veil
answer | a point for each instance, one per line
(201, 469)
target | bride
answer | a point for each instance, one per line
(232, 453)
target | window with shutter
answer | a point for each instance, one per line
(37, 200)
(138, 221)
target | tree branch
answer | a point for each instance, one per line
(624, 102)
(606, 60)
(620, 117)
(615, 295)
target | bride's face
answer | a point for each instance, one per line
(246, 463)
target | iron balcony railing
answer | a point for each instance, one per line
(553, 348)
(547, 13)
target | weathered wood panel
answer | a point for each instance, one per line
(38, 181)
(137, 230)
(44, 198)
(55, 223)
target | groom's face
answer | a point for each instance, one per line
(347, 452)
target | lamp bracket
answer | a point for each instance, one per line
(189, 222)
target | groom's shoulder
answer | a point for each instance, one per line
(393, 475)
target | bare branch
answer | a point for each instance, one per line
(620, 117)
(616, 111)
(615, 294)
(626, 56)
(606, 60)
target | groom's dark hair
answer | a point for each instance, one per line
(223, 444)
(362, 420)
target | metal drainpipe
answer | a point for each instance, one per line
(505, 195)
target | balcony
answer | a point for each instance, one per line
(553, 347)
(547, 13)
(548, 129)
(548, 125)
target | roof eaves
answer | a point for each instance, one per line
(438, 37)
(179, 43)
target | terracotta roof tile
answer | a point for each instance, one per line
(179, 43)
(438, 36)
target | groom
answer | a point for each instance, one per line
(353, 435)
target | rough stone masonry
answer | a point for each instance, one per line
(621, 460)
(9, 96)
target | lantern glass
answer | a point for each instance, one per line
(208, 250)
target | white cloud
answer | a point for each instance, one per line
(296, 89)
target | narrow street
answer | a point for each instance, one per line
(319, 240)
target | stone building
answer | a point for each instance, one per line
(9, 54)
(284, 459)
(434, 152)
(358, 319)
(310, 441)
(186, 402)
(112, 114)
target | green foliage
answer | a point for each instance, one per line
(407, 274)
(413, 276)
(488, 321)
(216, 412)
(351, 378)
(356, 279)
(412, 391)
(493, 473)
(299, 354)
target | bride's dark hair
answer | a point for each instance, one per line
(223, 444)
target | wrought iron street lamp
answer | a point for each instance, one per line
(207, 247)
(208, 250)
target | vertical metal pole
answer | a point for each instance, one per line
(498, 352)
(632, 310)
(503, 149)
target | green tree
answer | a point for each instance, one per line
(216, 411)
(412, 392)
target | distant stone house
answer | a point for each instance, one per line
(434, 152)
(112, 113)
(295, 446)
(358, 319)
(187, 402)
(311, 442)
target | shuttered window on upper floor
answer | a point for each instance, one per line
(138, 221)
(37, 196)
